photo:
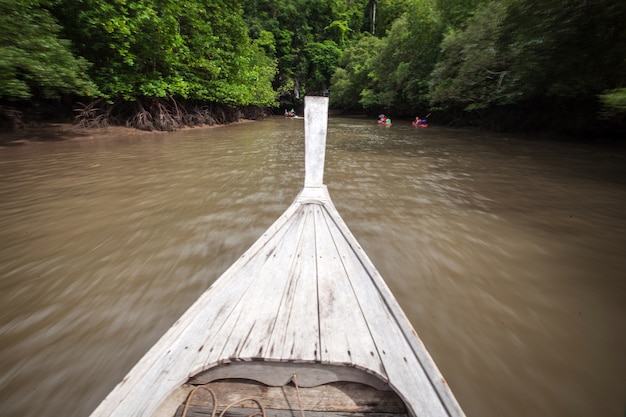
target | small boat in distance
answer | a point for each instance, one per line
(301, 324)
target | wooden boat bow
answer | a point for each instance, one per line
(304, 300)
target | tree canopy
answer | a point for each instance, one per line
(555, 58)
(34, 58)
(157, 48)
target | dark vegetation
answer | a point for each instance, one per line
(163, 64)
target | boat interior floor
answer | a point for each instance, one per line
(239, 398)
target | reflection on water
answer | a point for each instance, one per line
(507, 255)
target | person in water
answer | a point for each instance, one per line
(384, 119)
(420, 122)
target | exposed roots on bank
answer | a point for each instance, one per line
(164, 114)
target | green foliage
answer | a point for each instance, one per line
(414, 42)
(309, 35)
(566, 49)
(521, 50)
(614, 102)
(34, 60)
(473, 71)
(321, 59)
(352, 81)
(454, 13)
(393, 73)
(157, 48)
(386, 12)
(246, 52)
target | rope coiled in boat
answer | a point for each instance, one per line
(262, 413)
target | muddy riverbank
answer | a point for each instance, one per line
(57, 132)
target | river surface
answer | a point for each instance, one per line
(508, 254)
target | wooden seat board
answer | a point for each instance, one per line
(343, 397)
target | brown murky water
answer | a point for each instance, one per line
(508, 255)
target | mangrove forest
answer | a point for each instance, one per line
(522, 65)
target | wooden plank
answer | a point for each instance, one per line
(410, 372)
(247, 329)
(231, 302)
(183, 350)
(217, 336)
(344, 334)
(275, 373)
(315, 125)
(295, 335)
(246, 412)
